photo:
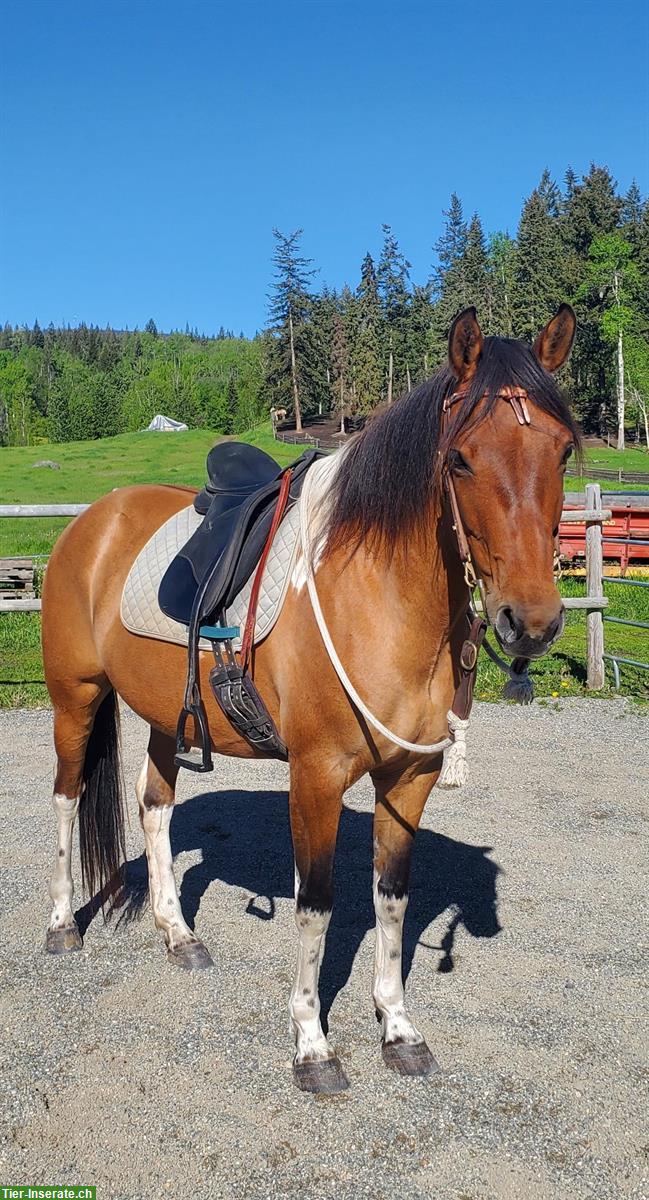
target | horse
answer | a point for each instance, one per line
(475, 455)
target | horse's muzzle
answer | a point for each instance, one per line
(521, 638)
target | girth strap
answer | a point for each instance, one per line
(251, 620)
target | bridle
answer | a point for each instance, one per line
(518, 400)
(517, 670)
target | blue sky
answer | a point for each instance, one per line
(148, 148)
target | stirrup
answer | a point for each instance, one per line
(194, 758)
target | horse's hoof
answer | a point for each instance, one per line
(323, 1076)
(63, 941)
(191, 957)
(409, 1058)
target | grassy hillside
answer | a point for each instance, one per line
(89, 469)
(606, 459)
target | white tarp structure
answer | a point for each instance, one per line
(166, 424)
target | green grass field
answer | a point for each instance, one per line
(89, 469)
(606, 459)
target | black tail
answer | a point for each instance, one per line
(101, 809)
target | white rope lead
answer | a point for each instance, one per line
(434, 747)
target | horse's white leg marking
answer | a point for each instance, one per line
(167, 912)
(304, 1006)
(61, 886)
(388, 980)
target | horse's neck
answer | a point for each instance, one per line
(410, 602)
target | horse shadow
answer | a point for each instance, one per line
(244, 840)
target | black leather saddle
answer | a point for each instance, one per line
(237, 505)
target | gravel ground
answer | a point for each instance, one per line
(525, 949)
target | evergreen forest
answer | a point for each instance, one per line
(345, 352)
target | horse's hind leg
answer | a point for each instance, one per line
(72, 729)
(400, 801)
(155, 790)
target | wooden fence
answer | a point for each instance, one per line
(594, 602)
(604, 474)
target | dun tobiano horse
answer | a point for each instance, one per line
(473, 457)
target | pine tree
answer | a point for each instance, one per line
(366, 352)
(593, 209)
(451, 246)
(631, 216)
(475, 270)
(289, 311)
(642, 260)
(448, 282)
(393, 277)
(538, 268)
(340, 373)
(324, 310)
(419, 335)
(501, 257)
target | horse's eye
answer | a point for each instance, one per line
(457, 464)
(567, 454)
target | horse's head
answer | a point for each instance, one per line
(507, 437)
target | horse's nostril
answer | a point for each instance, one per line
(557, 626)
(508, 626)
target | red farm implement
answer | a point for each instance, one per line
(625, 536)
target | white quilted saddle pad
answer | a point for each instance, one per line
(141, 613)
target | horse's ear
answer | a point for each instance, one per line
(465, 343)
(554, 343)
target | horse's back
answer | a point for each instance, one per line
(117, 523)
(91, 559)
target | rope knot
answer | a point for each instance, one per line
(454, 771)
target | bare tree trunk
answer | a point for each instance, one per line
(508, 323)
(620, 375)
(426, 365)
(390, 372)
(644, 413)
(620, 393)
(342, 403)
(176, 377)
(408, 380)
(296, 394)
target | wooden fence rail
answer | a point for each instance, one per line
(604, 474)
(42, 510)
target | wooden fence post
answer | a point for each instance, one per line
(594, 587)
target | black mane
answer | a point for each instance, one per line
(388, 478)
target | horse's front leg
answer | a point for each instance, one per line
(315, 806)
(400, 801)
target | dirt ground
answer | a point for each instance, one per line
(526, 945)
